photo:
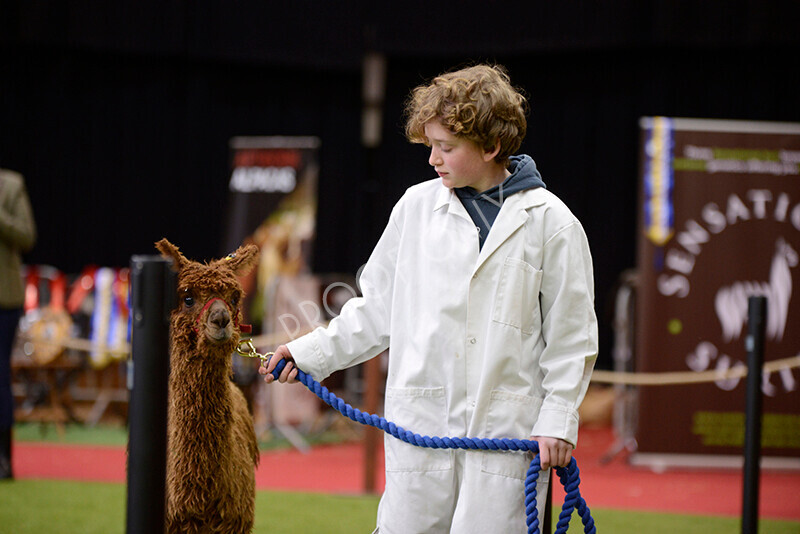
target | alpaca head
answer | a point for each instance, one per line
(209, 296)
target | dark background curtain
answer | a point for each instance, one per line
(119, 113)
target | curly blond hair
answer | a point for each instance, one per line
(477, 103)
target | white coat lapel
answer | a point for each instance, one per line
(448, 199)
(513, 215)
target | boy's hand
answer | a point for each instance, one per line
(553, 452)
(289, 373)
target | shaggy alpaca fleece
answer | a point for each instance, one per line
(212, 448)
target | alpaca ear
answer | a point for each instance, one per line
(242, 260)
(171, 252)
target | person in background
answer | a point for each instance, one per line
(482, 288)
(17, 235)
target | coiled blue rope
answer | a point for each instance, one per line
(569, 476)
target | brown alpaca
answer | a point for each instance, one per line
(212, 448)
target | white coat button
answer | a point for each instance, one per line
(472, 340)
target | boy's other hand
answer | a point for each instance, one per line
(289, 373)
(553, 452)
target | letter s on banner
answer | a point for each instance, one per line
(677, 285)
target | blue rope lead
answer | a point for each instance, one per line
(569, 475)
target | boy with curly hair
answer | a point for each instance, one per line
(481, 286)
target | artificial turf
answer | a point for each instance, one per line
(36, 506)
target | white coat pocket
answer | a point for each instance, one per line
(422, 411)
(510, 415)
(517, 298)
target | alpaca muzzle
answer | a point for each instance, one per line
(219, 318)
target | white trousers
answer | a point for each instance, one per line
(476, 492)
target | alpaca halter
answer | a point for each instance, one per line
(245, 328)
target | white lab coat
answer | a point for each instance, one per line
(491, 343)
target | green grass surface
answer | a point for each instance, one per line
(73, 434)
(33, 507)
(117, 435)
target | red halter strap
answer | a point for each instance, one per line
(234, 313)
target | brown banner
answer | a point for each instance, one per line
(272, 203)
(267, 174)
(719, 222)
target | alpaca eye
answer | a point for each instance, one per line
(235, 300)
(188, 301)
